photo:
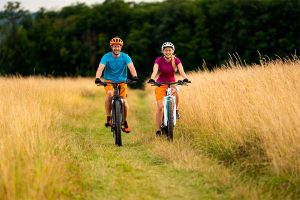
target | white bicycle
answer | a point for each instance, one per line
(169, 113)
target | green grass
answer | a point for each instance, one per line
(248, 162)
(74, 156)
(145, 167)
(128, 172)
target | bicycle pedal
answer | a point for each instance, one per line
(107, 125)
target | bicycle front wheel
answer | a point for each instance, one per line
(118, 122)
(170, 123)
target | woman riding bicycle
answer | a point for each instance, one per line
(166, 66)
(115, 65)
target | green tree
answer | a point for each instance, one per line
(13, 39)
(71, 41)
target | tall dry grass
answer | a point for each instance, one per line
(35, 162)
(250, 114)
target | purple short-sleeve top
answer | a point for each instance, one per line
(166, 70)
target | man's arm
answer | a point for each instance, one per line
(132, 69)
(100, 70)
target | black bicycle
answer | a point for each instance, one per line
(118, 110)
(169, 112)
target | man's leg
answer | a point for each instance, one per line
(126, 109)
(108, 107)
(125, 127)
(123, 93)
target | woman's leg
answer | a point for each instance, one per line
(159, 114)
(176, 94)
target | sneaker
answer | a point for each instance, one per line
(163, 130)
(158, 133)
(125, 127)
(177, 114)
(108, 121)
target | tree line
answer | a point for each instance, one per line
(71, 41)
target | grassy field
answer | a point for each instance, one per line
(249, 119)
(237, 139)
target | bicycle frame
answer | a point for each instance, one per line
(169, 109)
(117, 97)
(167, 99)
(118, 110)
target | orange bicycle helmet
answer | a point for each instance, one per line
(116, 41)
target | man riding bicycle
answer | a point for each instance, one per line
(114, 64)
(166, 66)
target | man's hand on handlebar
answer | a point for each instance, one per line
(99, 82)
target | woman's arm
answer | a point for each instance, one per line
(155, 71)
(181, 71)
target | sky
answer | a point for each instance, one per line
(35, 5)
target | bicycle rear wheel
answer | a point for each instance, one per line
(170, 124)
(118, 122)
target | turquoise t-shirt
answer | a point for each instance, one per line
(115, 68)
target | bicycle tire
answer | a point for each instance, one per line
(170, 124)
(118, 123)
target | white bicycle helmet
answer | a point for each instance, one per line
(167, 44)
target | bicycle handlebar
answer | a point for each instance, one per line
(105, 83)
(179, 82)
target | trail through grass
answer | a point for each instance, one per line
(53, 145)
(145, 167)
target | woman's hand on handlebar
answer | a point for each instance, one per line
(151, 81)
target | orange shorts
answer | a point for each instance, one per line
(123, 90)
(160, 92)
